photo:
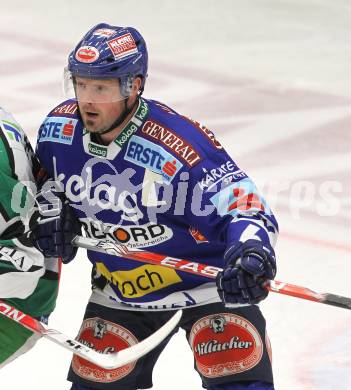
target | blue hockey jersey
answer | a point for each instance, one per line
(166, 185)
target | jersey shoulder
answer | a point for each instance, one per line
(11, 132)
(60, 124)
(67, 108)
(185, 137)
(15, 149)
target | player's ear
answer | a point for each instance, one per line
(136, 85)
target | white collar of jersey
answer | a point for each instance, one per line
(110, 151)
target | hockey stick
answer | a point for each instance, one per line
(107, 361)
(112, 248)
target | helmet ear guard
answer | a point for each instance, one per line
(126, 85)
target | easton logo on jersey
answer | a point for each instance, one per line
(140, 281)
(152, 156)
(57, 129)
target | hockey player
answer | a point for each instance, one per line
(27, 280)
(137, 172)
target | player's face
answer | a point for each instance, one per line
(100, 102)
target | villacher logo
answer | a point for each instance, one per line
(105, 337)
(236, 347)
(215, 346)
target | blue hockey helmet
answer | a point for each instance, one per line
(108, 52)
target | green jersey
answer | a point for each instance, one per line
(27, 279)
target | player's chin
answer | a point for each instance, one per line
(91, 126)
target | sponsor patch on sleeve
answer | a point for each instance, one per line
(57, 129)
(241, 198)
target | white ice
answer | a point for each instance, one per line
(272, 79)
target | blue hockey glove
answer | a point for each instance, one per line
(248, 266)
(58, 226)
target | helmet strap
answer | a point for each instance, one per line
(119, 120)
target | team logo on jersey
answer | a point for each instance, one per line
(173, 142)
(57, 129)
(13, 131)
(114, 338)
(197, 235)
(241, 198)
(87, 54)
(139, 281)
(152, 156)
(122, 46)
(225, 344)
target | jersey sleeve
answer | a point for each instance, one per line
(18, 186)
(226, 205)
(21, 265)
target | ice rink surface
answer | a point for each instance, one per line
(272, 80)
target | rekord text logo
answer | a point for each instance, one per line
(132, 236)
